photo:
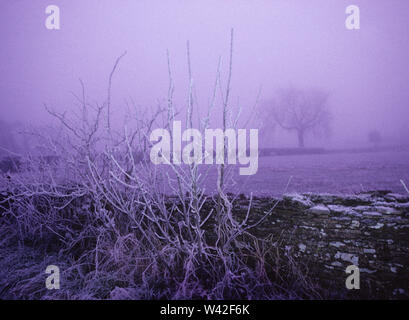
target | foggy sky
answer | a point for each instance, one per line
(277, 43)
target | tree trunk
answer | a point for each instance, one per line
(300, 135)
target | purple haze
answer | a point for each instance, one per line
(107, 218)
(277, 43)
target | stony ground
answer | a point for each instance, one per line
(330, 232)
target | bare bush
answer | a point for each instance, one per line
(128, 229)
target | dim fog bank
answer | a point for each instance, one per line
(277, 44)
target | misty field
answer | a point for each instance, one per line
(348, 172)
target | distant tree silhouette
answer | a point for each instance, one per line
(302, 111)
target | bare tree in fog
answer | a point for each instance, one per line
(302, 111)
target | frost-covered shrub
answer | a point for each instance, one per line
(121, 227)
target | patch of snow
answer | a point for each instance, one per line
(387, 210)
(319, 209)
(402, 205)
(336, 264)
(337, 244)
(396, 196)
(347, 257)
(377, 226)
(367, 270)
(337, 208)
(298, 200)
(302, 247)
(371, 213)
(363, 208)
